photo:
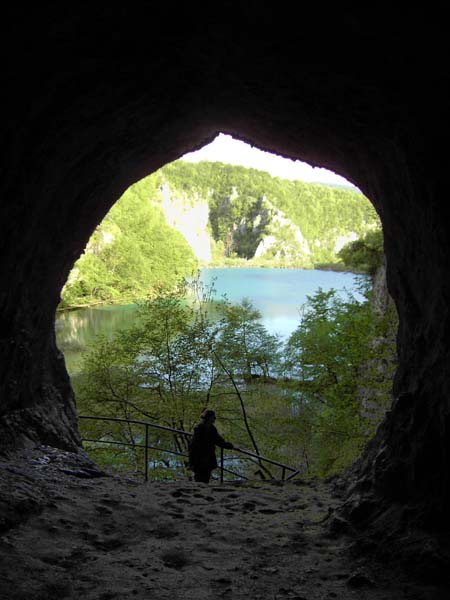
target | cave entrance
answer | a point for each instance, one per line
(90, 112)
(234, 219)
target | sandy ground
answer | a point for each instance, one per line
(66, 531)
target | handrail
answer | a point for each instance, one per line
(147, 447)
(137, 422)
(269, 460)
(159, 450)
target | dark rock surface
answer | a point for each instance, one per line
(109, 537)
(98, 96)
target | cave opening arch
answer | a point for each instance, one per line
(148, 189)
(57, 435)
(93, 112)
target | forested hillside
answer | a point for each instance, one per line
(130, 254)
(255, 215)
(186, 215)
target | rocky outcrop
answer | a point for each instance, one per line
(376, 376)
(220, 215)
(381, 298)
(283, 240)
(190, 216)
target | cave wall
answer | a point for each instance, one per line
(98, 97)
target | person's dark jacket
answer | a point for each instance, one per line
(202, 453)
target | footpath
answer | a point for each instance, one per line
(69, 530)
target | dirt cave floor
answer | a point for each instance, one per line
(70, 530)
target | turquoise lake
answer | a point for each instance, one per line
(277, 293)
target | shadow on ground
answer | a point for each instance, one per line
(69, 530)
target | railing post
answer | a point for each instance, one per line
(221, 465)
(283, 473)
(146, 452)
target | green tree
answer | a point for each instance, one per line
(244, 344)
(365, 254)
(306, 402)
(132, 251)
(174, 363)
(334, 352)
(160, 371)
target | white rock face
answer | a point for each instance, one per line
(189, 216)
(265, 245)
(282, 232)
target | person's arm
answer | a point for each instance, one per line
(221, 442)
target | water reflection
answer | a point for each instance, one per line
(277, 293)
(76, 329)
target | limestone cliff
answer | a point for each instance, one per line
(188, 214)
(283, 240)
(233, 212)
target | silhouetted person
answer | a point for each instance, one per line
(202, 450)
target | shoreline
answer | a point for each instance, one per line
(125, 301)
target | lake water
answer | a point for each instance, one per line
(277, 293)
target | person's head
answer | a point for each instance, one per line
(208, 416)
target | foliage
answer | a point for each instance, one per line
(244, 344)
(132, 251)
(365, 254)
(154, 369)
(242, 203)
(298, 402)
(165, 369)
(334, 353)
